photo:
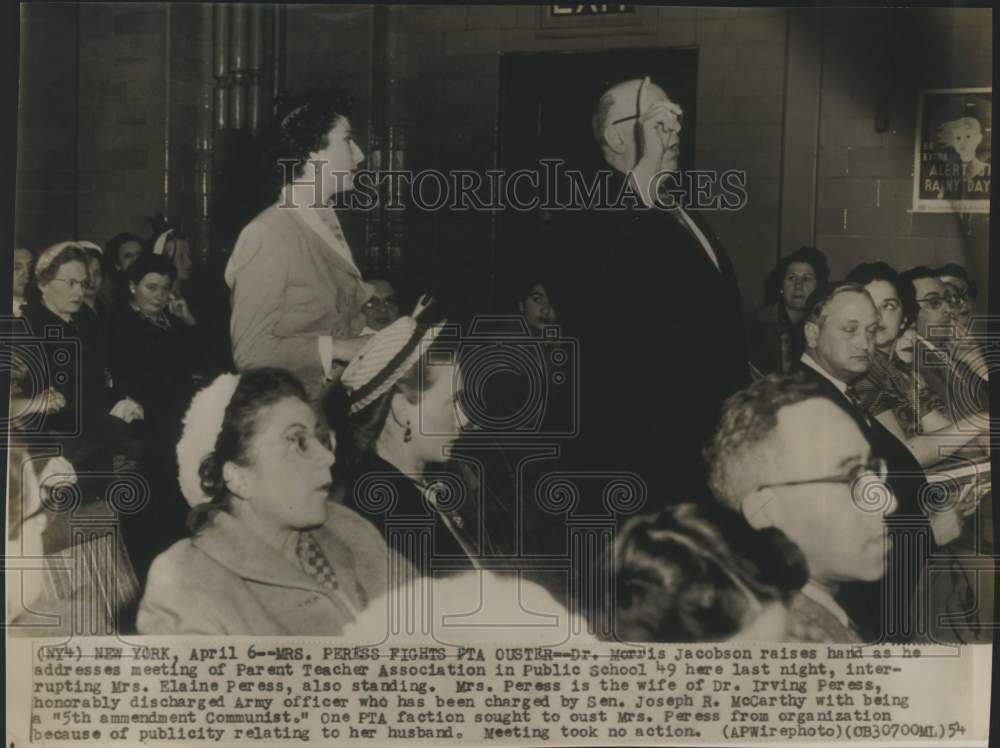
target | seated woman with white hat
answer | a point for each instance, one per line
(269, 554)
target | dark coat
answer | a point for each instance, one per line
(662, 345)
(908, 527)
(68, 357)
(152, 365)
(397, 507)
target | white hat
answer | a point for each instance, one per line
(202, 425)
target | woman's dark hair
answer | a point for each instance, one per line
(257, 389)
(684, 575)
(301, 127)
(867, 272)
(115, 243)
(955, 270)
(69, 253)
(808, 255)
(527, 281)
(363, 428)
(149, 263)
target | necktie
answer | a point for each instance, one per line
(314, 562)
(852, 395)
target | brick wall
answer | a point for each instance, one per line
(45, 198)
(865, 177)
(94, 118)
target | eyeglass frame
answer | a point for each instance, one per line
(876, 467)
(72, 282)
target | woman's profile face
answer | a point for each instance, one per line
(152, 293)
(437, 418)
(890, 309)
(128, 253)
(340, 159)
(798, 283)
(287, 482)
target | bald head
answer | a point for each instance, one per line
(614, 119)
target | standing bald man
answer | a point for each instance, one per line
(661, 337)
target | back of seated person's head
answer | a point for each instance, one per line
(699, 572)
(475, 607)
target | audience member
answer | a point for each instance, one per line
(24, 260)
(403, 394)
(86, 425)
(297, 295)
(953, 367)
(961, 292)
(828, 495)
(382, 308)
(269, 554)
(893, 391)
(840, 326)
(153, 362)
(699, 572)
(773, 338)
(121, 251)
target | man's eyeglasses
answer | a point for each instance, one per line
(956, 299)
(867, 482)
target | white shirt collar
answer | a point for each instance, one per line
(811, 363)
(334, 237)
(823, 598)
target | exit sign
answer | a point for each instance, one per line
(594, 9)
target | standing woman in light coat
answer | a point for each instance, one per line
(270, 554)
(297, 294)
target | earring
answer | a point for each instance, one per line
(408, 434)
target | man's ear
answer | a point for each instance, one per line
(811, 330)
(131, 287)
(613, 139)
(758, 509)
(235, 478)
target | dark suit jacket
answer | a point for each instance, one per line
(884, 609)
(662, 345)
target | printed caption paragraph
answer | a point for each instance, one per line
(270, 691)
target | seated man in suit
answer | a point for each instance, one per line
(827, 495)
(841, 322)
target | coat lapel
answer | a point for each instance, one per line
(237, 547)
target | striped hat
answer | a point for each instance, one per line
(387, 356)
(161, 242)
